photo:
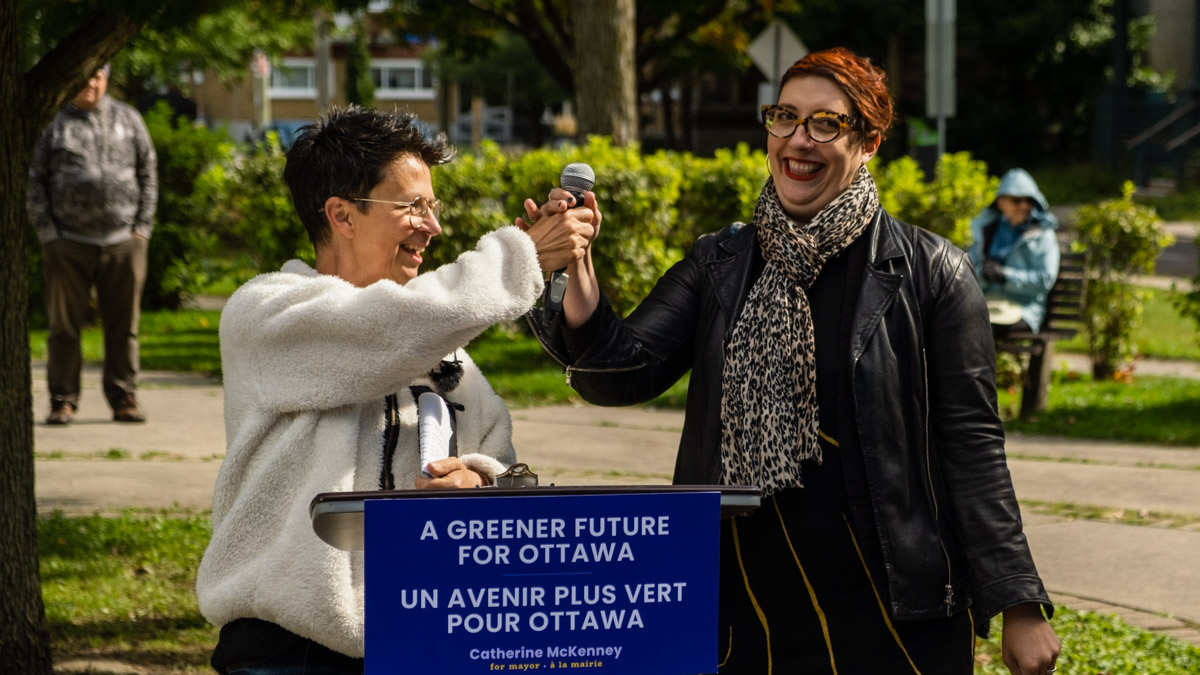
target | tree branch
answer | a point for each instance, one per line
(656, 40)
(542, 28)
(550, 40)
(62, 72)
(653, 40)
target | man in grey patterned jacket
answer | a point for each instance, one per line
(92, 193)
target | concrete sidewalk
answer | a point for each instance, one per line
(1147, 573)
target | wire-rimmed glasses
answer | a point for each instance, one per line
(419, 207)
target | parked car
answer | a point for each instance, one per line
(287, 130)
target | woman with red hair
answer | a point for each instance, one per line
(842, 361)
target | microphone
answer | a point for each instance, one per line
(577, 179)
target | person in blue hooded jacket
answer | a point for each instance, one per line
(1015, 252)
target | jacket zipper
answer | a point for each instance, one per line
(623, 369)
(948, 600)
(569, 369)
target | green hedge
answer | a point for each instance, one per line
(183, 238)
(225, 213)
(655, 206)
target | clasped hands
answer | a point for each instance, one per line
(561, 230)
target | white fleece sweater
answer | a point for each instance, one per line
(308, 361)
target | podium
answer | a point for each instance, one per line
(606, 579)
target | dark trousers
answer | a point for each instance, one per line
(118, 272)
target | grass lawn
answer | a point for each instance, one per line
(184, 340)
(122, 589)
(1163, 334)
(1160, 410)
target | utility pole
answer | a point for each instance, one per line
(939, 65)
(321, 73)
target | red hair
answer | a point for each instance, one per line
(862, 81)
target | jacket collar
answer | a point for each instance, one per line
(885, 241)
(738, 239)
(881, 282)
(733, 271)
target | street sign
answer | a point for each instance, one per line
(775, 50)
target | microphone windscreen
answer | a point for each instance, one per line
(577, 176)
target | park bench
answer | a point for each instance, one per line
(1064, 318)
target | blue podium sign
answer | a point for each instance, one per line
(596, 583)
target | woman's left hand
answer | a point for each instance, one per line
(561, 229)
(1028, 643)
(449, 473)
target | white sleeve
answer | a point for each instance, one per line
(297, 342)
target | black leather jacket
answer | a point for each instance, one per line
(922, 368)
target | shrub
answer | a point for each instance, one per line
(903, 191)
(1123, 239)
(474, 189)
(245, 200)
(716, 191)
(182, 238)
(960, 189)
(654, 206)
(637, 196)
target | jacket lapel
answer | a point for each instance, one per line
(734, 274)
(880, 285)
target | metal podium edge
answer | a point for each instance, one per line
(337, 517)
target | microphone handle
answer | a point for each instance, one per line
(557, 290)
(559, 278)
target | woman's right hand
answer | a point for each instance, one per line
(561, 230)
(583, 291)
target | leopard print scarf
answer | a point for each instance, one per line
(769, 416)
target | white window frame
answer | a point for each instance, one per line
(417, 93)
(309, 92)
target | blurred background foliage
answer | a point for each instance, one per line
(225, 213)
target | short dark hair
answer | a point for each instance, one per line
(345, 153)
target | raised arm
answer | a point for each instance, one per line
(305, 341)
(563, 233)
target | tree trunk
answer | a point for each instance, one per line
(27, 102)
(605, 69)
(24, 638)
